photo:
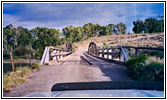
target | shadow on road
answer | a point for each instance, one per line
(110, 69)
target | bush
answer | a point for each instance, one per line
(143, 69)
(133, 63)
(156, 70)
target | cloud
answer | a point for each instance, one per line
(59, 15)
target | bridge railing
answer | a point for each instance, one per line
(45, 56)
(142, 48)
(52, 53)
(109, 53)
(117, 53)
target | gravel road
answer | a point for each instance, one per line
(69, 69)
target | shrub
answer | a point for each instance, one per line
(156, 70)
(133, 63)
(143, 69)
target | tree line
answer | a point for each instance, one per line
(150, 25)
(24, 43)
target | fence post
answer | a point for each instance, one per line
(112, 55)
(136, 52)
(107, 53)
(103, 53)
(120, 54)
(98, 52)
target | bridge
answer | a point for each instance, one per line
(88, 63)
(117, 54)
(108, 63)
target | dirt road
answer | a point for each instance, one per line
(70, 69)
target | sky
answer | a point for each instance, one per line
(59, 15)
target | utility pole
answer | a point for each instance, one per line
(161, 21)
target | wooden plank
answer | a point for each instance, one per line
(109, 53)
(102, 53)
(149, 48)
(56, 48)
(61, 54)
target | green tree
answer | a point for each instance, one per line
(121, 28)
(13, 38)
(158, 26)
(24, 38)
(77, 34)
(88, 30)
(44, 37)
(138, 26)
(97, 29)
(68, 32)
(108, 29)
(151, 25)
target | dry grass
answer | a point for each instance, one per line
(147, 40)
(156, 59)
(144, 40)
(12, 79)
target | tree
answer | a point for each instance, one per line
(121, 28)
(88, 30)
(68, 32)
(24, 38)
(13, 37)
(97, 29)
(44, 37)
(108, 29)
(138, 26)
(77, 34)
(150, 25)
(158, 26)
(9, 41)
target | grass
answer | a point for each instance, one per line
(129, 40)
(11, 79)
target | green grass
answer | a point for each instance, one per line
(11, 79)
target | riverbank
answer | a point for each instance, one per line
(7, 67)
